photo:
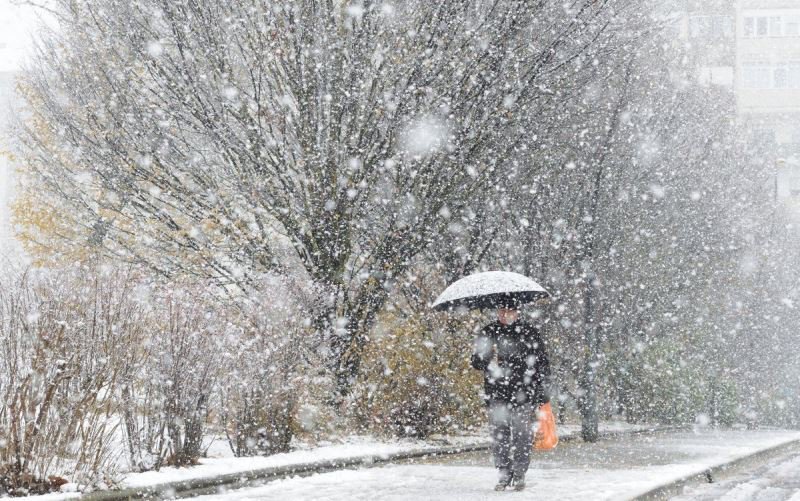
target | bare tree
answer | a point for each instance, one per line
(205, 137)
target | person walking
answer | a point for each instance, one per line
(516, 372)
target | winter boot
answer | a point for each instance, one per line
(505, 479)
(518, 481)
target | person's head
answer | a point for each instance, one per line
(507, 315)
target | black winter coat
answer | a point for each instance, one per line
(514, 363)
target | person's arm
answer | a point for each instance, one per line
(538, 367)
(483, 351)
(544, 376)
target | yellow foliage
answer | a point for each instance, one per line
(417, 379)
(48, 235)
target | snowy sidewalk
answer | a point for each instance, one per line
(222, 468)
(215, 473)
(355, 449)
(618, 468)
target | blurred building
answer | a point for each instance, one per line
(709, 27)
(753, 48)
(6, 92)
(768, 84)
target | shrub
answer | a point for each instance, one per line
(64, 340)
(670, 385)
(168, 398)
(417, 379)
(260, 400)
(267, 356)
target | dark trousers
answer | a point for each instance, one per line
(512, 438)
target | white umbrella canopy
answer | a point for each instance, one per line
(490, 289)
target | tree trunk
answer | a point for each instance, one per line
(588, 383)
(350, 335)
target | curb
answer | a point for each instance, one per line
(212, 485)
(718, 471)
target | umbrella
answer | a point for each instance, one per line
(490, 289)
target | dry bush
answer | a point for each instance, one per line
(96, 355)
(267, 360)
(261, 403)
(64, 340)
(416, 378)
(168, 397)
(261, 343)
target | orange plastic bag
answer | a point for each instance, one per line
(545, 437)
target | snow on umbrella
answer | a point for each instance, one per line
(490, 289)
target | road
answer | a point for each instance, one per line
(777, 480)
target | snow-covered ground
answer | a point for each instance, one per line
(225, 464)
(777, 480)
(615, 469)
(221, 460)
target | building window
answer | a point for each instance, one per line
(761, 27)
(775, 26)
(762, 136)
(764, 75)
(749, 27)
(780, 77)
(794, 185)
(714, 27)
(756, 75)
(791, 28)
(787, 75)
(722, 27)
(772, 25)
